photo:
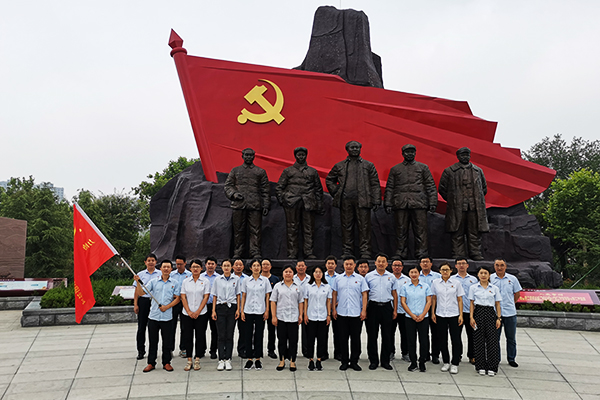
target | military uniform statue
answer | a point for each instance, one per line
(463, 186)
(410, 193)
(247, 186)
(354, 185)
(300, 192)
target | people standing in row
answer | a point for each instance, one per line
(381, 311)
(317, 316)
(330, 275)
(141, 303)
(446, 313)
(238, 270)
(211, 264)
(225, 292)
(510, 289)
(349, 301)
(400, 321)
(256, 290)
(287, 313)
(165, 292)
(466, 281)
(427, 276)
(195, 292)
(271, 329)
(301, 279)
(179, 274)
(485, 319)
(416, 301)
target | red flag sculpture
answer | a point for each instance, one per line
(273, 110)
(91, 250)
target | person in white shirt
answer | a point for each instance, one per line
(301, 279)
(461, 264)
(256, 290)
(238, 270)
(317, 316)
(400, 321)
(330, 275)
(446, 306)
(195, 292)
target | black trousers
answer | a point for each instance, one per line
(298, 218)
(287, 338)
(304, 341)
(165, 334)
(337, 347)
(317, 331)
(350, 328)
(225, 326)
(351, 213)
(144, 311)
(246, 222)
(191, 328)
(422, 328)
(435, 341)
(469, 328)
(379, 315)
(271, 330)
(214, 336)
(487, 348)
(241, 343)
(254, 330)
(400, 324)
(444, 325)
(177, 313)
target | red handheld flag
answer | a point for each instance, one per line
(91, 250)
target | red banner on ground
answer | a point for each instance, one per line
(91, 250)
(538, 296)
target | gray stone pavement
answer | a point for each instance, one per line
(98, 362)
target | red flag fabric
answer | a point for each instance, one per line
(91, 250)
(273, 110)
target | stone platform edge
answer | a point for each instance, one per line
(558, 320)
(15, 303)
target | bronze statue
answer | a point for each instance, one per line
(410, 192)
(463, 186)
(300, 192)
(247, 186)
(354, 185)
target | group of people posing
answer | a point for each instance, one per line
(415, 304)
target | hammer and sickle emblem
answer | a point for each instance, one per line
(272, 111)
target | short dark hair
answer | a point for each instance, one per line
(151, 255)
(266, 259)
(253, 261)
(348, 257)
(196, 261)
(427, 257)
(448, 264)
(211, 258)
(416, 266)
(286, 267)
(397, 259)
(180, 257)
(227, 260)
(165, 261)
(312, 278)
(382, 255)
(362, 261)
(234, 259)
(331, 258)
(484, 268)
(461, 259)
(500, 259)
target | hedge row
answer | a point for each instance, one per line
(63, 297)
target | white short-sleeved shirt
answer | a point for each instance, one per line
(403, 280)
(211, 279)
(302, 282)
(508, 285)
(485, 296)
(447, 294)
(349, 294)
(194, 293)
(317, 301)
(381, 286)
(287, 300)
(466, 282)
(256, 291)
(225, 289)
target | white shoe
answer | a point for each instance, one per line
(491, 373)
(445, 367)
(221, 365)
(482, 372)
(454, 369)
(228, 365)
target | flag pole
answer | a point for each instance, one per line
(140, 281)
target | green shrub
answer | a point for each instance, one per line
(62, 297)
(547, 305)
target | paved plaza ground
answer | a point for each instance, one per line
(98, 362)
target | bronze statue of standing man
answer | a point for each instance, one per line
(300, 192)
(354, 185)
(247, 186)
(410, 192)
(463, 186)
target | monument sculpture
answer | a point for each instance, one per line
(410, 193)
(354, 185)
(463, 186)
(300, 192)
(247, 186)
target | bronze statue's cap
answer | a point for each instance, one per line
(409, 146)
(298, 149)
(463, 150)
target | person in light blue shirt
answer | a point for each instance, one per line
(210, 263)
(301, 279)
(317, 316)
(416, 301)
(238, 270)
(141, 303)
(485, 319)
(400, 321)
(179, 274)
(165, 292)
(511, 291)
(461, 264)
(428, 276)
(350, 309)
(330, 275)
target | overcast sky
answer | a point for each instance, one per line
(89, 96)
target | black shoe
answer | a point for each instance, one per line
(513, 364)
(319, 366)
(355, 367)
(311, 365)
(213, 356)
(343, 367)
(435, 360)
(140, 356)
(280, 367)
(249, 365)
(272, 355)
(258, 365)
(412, 367)
(387, 366)
(392, 356)
(422, 367)
(373, 366)
(293, 369)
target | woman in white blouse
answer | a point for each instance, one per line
(317, 316)
(194, 296)
(255, 299)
